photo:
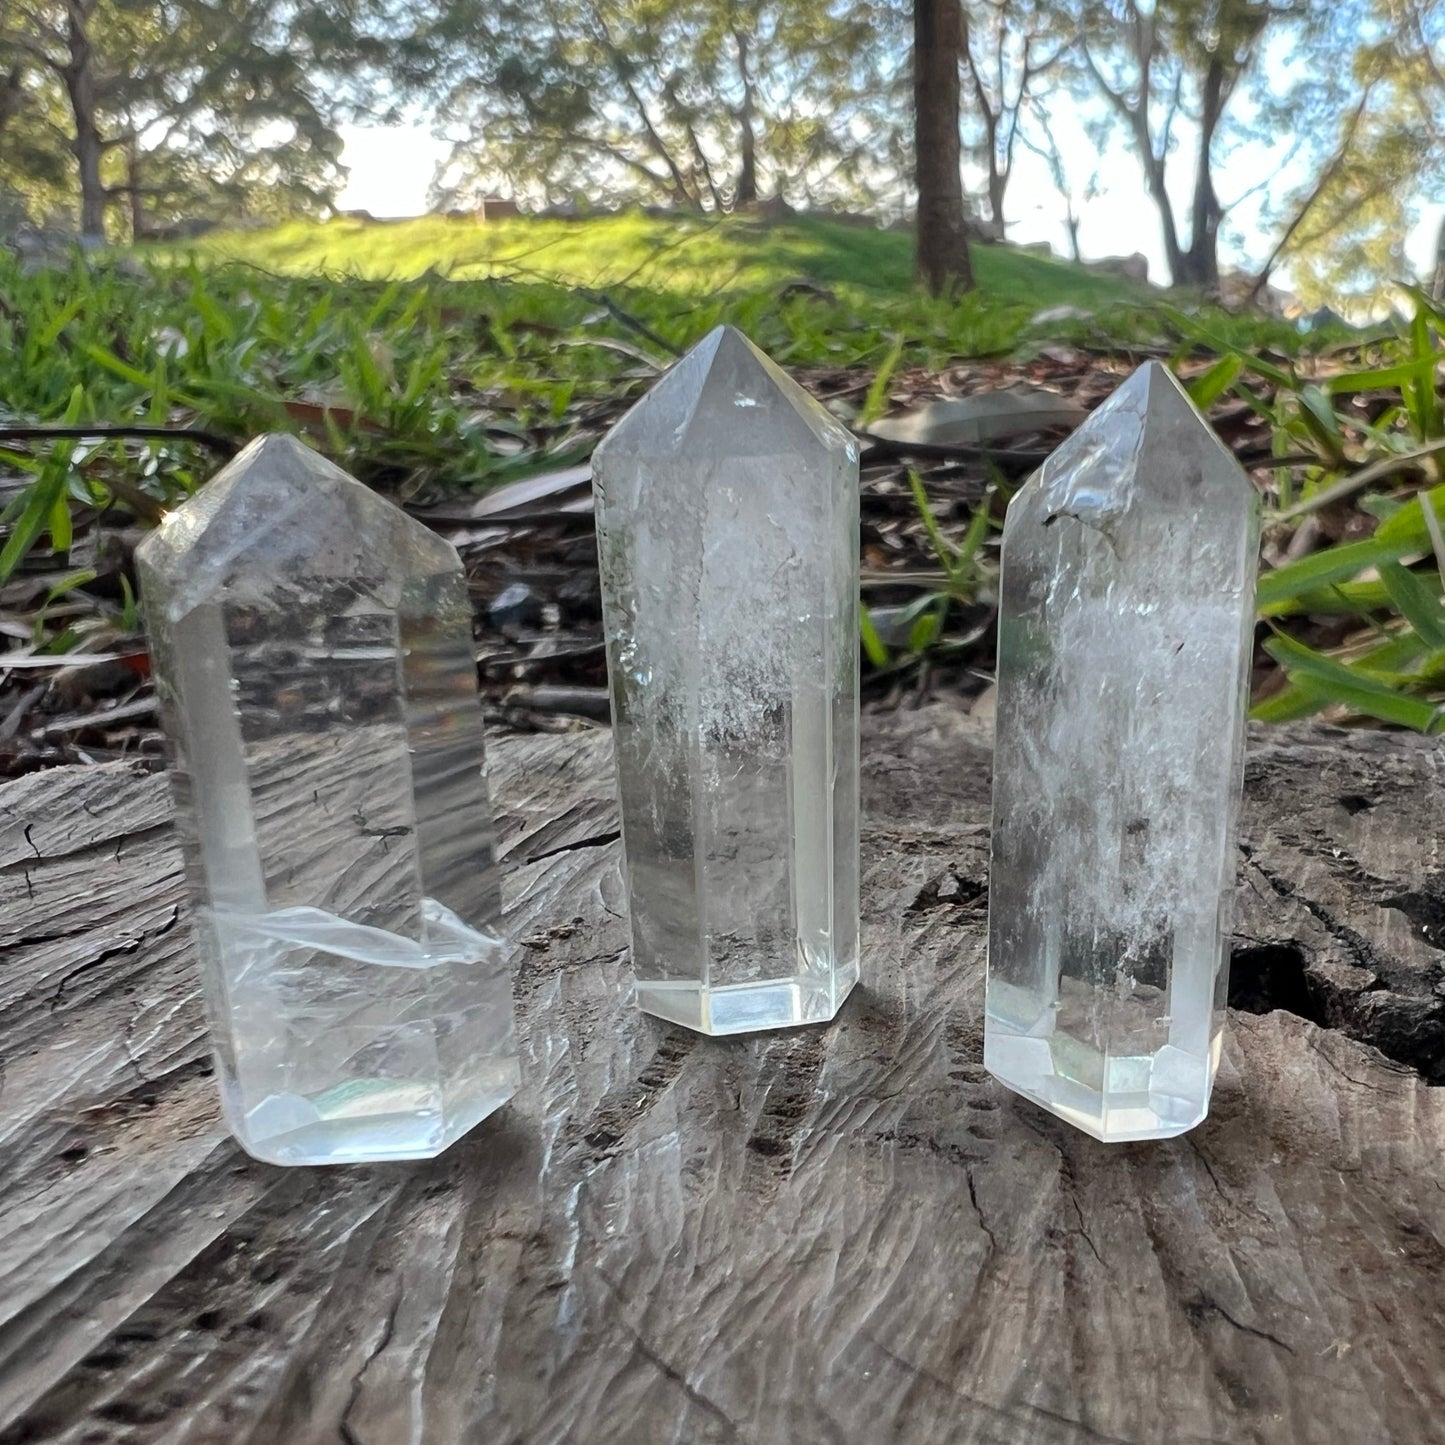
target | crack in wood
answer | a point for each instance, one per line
(665, 1367)
(388, 1327)
(1201, 1305)
(599, 840)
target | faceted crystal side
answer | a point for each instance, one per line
(1126, 614)
(727, 527)
(312, 650)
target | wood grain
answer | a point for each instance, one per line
(848, 1234)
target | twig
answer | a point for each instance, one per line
(135, 711)
(1010, 461)
(1250, 459)
(227, 446)
(588, 702)
(601, 298)
(1346, 486)
(57, 660)
(10, 724)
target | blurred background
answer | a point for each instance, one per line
(1288, 149)
(450, 244)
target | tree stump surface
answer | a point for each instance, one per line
(840, 1234)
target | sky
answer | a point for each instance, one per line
(391, 169)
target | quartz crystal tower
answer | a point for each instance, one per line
(727, 528)
(312, 647)
(1125, 624)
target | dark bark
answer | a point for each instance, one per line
(1159, 194)
(942, 239)
(135, 191)
(12, 95)
(1201, 261)
(79, 79)
(1001, 120)
(747, 187)
(997, 185)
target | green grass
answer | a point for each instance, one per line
(811, 291)
(449, 352)
(444, 354)
(684, 257)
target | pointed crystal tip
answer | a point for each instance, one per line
(278, 504)
(1147, 440)
(723, 397)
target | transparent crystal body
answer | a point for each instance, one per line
(1126, 615)
(312, 649)
(727, 530)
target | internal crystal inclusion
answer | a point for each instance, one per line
(312, 649)
(727, 532)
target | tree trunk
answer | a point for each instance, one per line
(12, 95)
(138, 224)
(86, 145)
(997, 185)
(997, 179)
(1173, 251)
(1201, 261)
(747, 189)
(942, 241)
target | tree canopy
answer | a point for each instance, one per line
(1340, 94)
(703, 104)
(176, 109)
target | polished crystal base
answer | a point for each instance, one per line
(361, 1045)
(774, 1003)
(287, 1129)
(1113, 1098)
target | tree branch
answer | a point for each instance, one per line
(1321, 185)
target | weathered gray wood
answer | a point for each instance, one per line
(841, 1234)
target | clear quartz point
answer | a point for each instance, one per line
(312, 648)
(727, 529)
(1125, 627)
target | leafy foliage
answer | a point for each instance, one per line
(700, 104)
(1357, 619)
(187, 110)
(1343, 96)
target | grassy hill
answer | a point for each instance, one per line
(810, 291)
(461, 352)
(683, 256)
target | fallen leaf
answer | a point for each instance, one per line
(986, 416)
